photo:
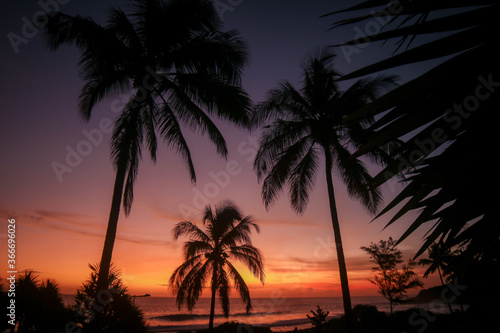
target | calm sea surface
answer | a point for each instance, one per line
(282, 314)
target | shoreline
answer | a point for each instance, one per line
(289, 324)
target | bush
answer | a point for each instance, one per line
(366, 312)
(318, 318)
(107, 311)
(236, 327)
(39, 307)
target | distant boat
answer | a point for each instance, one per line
(145, 295)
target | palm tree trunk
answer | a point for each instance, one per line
(444, 286)
(212, 302)
(107, 252)
(338, 243)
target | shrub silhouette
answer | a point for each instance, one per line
(110, 310)
(39, 307)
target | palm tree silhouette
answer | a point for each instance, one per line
(207, 256)
(312, 121)
(438, 260)
(178, 68)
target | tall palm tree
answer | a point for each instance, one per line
(307, 123)
(438, 260)
(178, 68)
(207, 254)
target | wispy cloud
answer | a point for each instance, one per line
(79, 224)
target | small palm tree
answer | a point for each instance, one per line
(178, 68)
(207, 254)
(438, 260)
(309, 122)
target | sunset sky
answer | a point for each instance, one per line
(61, 219)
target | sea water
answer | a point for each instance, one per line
(281, 314)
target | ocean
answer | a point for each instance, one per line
(281, 314)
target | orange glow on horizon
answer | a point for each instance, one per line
(305, 269)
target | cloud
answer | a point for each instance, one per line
(79, 224)
(292, 264)
(293, 224)
(68, 218)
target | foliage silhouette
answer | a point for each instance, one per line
(207, 254)
(318, 318)
(301, 125)
(391, 282)
(110, 310)
(446, 112)
(439, 259)
(39, 306)
(178, 68)
(5, 303)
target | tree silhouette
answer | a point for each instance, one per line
(391, 282)
(178, 69)
(207, 258)
(438, 260)
(307, 123)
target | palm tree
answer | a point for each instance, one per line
(438, 260)
(305, 123)
(207, 254)
(178, 68)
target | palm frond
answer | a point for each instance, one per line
(223, 290)
(251, 258)
(302, 180)
(357, 178)
(190, 229)
(126, 144)
(240, 233)
(241, 286)
(274, 139)
(440, 133)
(284, 102)
(171, 131)
(194, 248)
(281, 170)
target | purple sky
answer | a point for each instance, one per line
(62, 218)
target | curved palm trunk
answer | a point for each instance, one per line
(107, 252)
(212, 302)
(338, 244)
